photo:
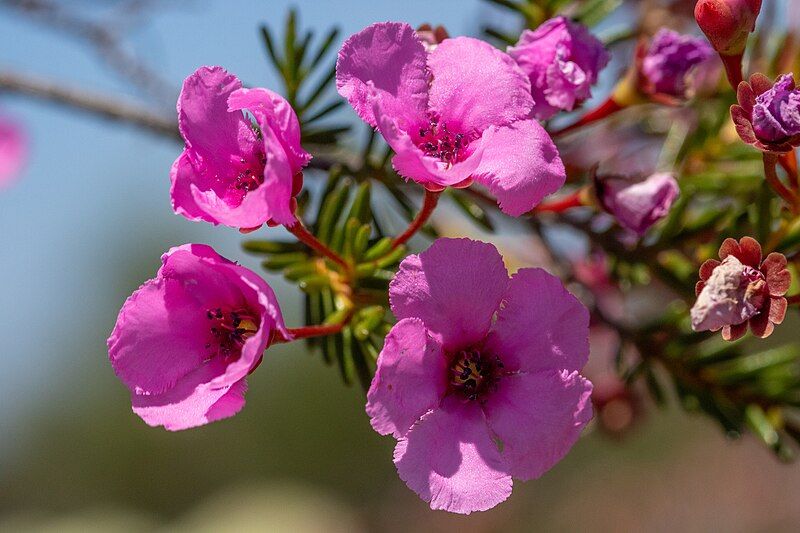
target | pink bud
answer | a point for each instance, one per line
(727, 23)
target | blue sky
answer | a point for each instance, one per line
(93, 201)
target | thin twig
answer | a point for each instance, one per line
(307, 238)
(770, 161)
(94, 103)
(103, 37)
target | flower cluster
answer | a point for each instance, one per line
(479, 376)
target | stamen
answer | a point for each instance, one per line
(230, 330)
(437, 141)
(474, 374)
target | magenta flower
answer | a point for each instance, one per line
(242, 161)
(478, 381)
(669, 62)
(13, 150)
(185, 341)
(637, 205)
(458, 113)
(563, 60)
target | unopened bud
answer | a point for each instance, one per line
(727, 23)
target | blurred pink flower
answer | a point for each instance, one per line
(563, 60)
(13, 150)
(669, 61)
(236, 171)
(476, 359)
(456, 114)
(637, 205)
(185, 341)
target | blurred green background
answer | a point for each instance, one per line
(86, 225)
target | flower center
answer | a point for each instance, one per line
(439, 142)
(230, 330)
(474, 374)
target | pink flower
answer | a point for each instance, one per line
(668, 63)
(563, 60)
(478, 381)
(185, 341)
(637, 205)
(13, 150)
(242, 161)
(458, 113)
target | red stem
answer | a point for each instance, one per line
(789, 163)
(733, 69)
(609, 107)
(314, 331)
(428, 206)
(560, 205)
(305, 236)
(770, 160)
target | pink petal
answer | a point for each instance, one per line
(193, 403)
(538, 417)
(410, 380)
(454, 287)
(273, 111)
(476, 86)
(270, 201)
(411, 163)
(182, 175)
(392, 58)
(203, 118)
(541, 325)
(13, 150)
(155, 341)
(520, 165)
(451, 461)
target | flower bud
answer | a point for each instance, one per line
(727, 23)
(637, 204)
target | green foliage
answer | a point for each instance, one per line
(307, 78)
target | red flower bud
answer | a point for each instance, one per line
(727, 23)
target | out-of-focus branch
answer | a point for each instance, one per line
(102, 37)
(96, 104)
